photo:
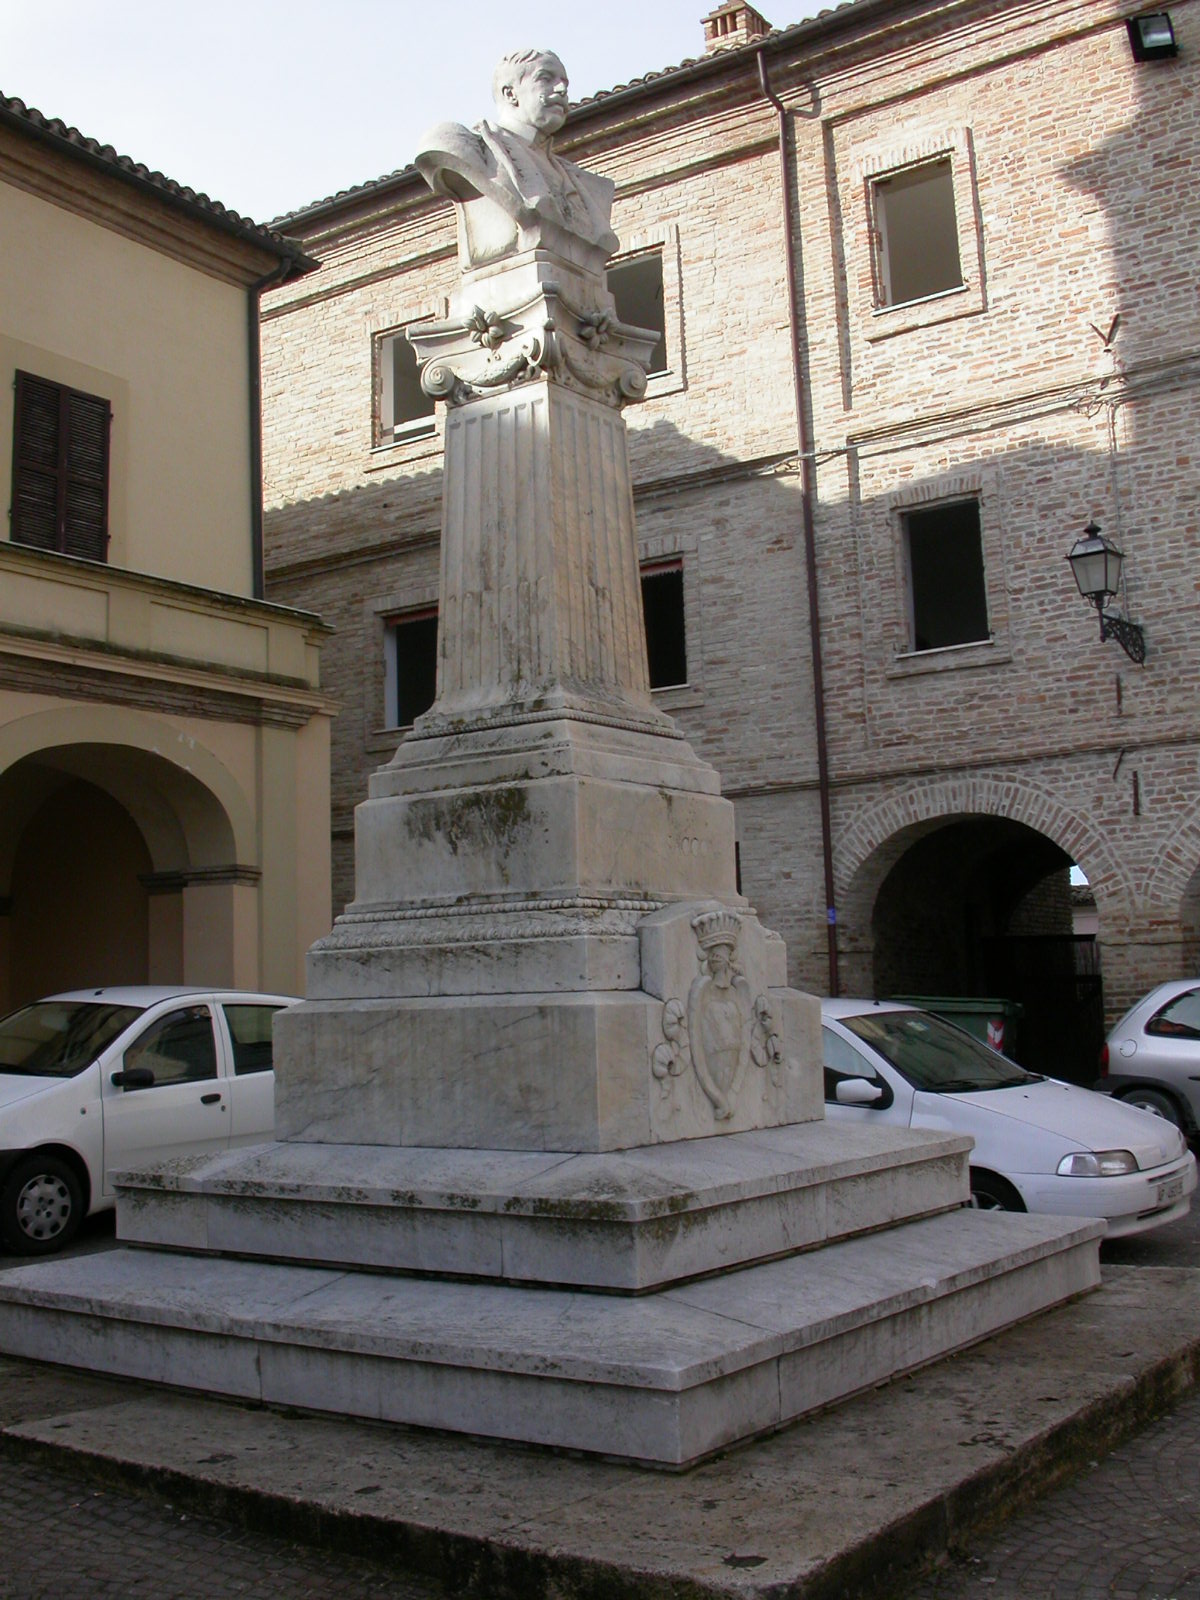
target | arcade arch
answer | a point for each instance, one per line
(118, 864)
(980, 904)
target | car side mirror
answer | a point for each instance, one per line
(133, 1078)
(858, 1092)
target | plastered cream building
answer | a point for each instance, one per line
(947, 319)
(164, 739)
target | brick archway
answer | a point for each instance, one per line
(885, 828)
(959, 888)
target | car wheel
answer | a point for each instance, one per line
(1154, 1100)
(990, 1193)
(41, 1206)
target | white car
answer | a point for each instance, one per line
(1040, 1145)
(101, 1079)
(1152, 1057)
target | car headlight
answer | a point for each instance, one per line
(1097, 1164)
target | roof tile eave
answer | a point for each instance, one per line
(60, 135)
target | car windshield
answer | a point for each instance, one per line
(58, 1038)
(934, 1055)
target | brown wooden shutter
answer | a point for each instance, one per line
(60, 469)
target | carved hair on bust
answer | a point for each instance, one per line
(510, 68)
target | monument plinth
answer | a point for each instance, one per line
(548, 1048)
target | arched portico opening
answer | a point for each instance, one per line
(982, 906)
(117, 866)
(78, 903)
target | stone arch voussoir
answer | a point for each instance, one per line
(862, 858)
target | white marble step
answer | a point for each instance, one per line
(630, 1221)
(664, 1378)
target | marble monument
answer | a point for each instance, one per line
(550, 1159)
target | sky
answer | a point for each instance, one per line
(268, 105)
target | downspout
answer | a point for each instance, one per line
(808, 494)
(254, 344)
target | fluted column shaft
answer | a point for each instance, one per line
(540, 586)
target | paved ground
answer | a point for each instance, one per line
(1127, 1528)
(64, 1539)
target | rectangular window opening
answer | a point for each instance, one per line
(637, 288)
(405, 410)
(946, 577)
(916, 233)
(666, 639)
(60, 469)
(410, 666)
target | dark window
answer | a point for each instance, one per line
(405, 410)
(250, 1034)
(666, 641)
(58, 1038)
(178, 1048)
(945, 568)
(1178, 1019)
(410, 656)
(60, 469)
(637, 288)
(917, 233)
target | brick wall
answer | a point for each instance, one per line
(1075, 202)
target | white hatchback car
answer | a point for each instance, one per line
(100, 1079)
(1040, 1145)
(1152, 1057)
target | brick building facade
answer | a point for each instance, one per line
(991, 221)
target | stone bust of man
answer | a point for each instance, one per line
(512, 193)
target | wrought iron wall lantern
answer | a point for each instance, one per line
(1096, 564)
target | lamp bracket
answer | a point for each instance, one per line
(1127, 634)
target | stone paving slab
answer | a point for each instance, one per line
(845, 1503)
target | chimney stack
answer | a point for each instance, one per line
(733, 24)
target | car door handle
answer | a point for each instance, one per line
(209, 1099)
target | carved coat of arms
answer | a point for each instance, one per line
(724, 1026)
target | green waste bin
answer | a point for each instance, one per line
(993, 1021)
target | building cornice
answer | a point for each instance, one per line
(100, 575)
(66, 670)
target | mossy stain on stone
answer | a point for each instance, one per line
(476, 819)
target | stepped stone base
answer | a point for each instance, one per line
(656, 1304)
(663, 1379)
(627, 1222)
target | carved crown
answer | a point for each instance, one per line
(717, 927)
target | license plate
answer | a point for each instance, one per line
(1170, 1189)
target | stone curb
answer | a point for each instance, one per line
(850, 1503)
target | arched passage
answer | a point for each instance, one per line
(78, 902)
(118, 865)
(982, 907)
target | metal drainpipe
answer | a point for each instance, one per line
(807, 499)
(253, 295)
